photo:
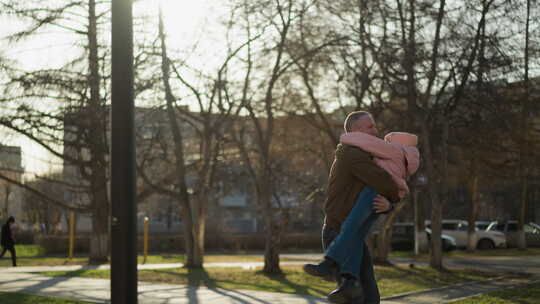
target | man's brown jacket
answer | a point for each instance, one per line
(352, 170)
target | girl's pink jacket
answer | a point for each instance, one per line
(397, 154)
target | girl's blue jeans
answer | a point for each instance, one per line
(347, 249)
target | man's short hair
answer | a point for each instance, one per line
(352, 118)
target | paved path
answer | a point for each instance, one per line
(524, 264)
(60, 268)
(26, 269)
(98, 291)
(21, 280)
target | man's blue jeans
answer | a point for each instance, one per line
(347, 249)
(367, 275)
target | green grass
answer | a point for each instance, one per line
(42, 261)
(33, 255)
(19, 298)
(529, 294)
(392, 280)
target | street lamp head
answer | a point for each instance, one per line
(420, 180)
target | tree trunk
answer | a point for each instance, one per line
(189, 241)
(99, 241)
(433, 188)
(524, 142)
(198, 215)
(385, 236)
(193, 254)
(271, 249)
(99, 249)
(521, 240)
(473, 214)
(421, 243)
(436, 241)
(272, 230)
(7, 193)
(169, 216)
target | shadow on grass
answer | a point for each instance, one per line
(430, 276)
(19, 298)
(297, 288)
(236, 287)
(200, 277)
(77, 273)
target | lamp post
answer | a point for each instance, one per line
(420, 181)
(123, 185)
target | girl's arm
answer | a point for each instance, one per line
(371, 144)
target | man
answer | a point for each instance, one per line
(351, 171)
(7, 241)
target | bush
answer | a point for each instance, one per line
(232, 242)
(58, 244)
(25, 237)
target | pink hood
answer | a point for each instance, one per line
(408, 142)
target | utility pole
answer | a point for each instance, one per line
(123, 183)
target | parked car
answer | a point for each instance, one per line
(458, 229)
(448, 242)
(482, 225)
(509, 228)
(403, 238)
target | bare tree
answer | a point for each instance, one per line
(266, 65)
(64, 109)
(197, 140)
(524, 141)
(427, 64)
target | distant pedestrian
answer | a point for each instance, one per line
(7, 241)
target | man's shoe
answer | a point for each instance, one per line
(326, 269)
(348, 289)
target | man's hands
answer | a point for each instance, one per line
(381, 204)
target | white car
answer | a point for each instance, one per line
(482, 225)
(485, 239)
(509, 228)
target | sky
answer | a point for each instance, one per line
(185, 23)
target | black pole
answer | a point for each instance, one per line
(123, 207)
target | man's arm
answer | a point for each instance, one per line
(364, 168)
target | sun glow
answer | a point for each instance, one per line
(192, 27)
(182, 19)
(187, 24)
